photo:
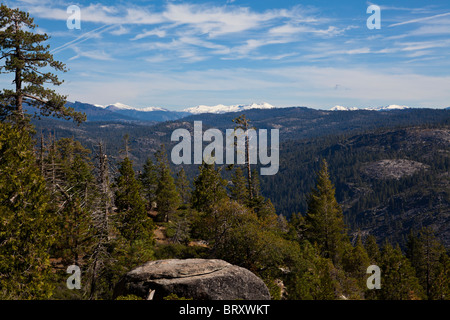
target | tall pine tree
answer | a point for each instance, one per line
(183, 186)
(209, 188)
(149, 181)
(167, 196)
(27, 56)
(239, 189)
(324, 219)
(133, 222)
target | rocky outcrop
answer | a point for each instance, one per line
(199, 279)
(393, 168)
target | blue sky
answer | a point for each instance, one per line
(179, 54)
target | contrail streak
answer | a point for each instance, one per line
(82, 38)
(420, 19)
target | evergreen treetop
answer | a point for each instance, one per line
(27, 56)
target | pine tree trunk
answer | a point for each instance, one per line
(249, 171)
(18, 78)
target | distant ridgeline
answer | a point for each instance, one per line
(386, 197)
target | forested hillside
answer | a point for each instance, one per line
(297, 123)
(388, 181)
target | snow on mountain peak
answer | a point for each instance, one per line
(394, 106)
(151, 109)
(121, 106)
(341, 108)
(220, 108)
(389, 107)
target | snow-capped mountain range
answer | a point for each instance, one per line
(220, 108)
(121, 106)
(384, 108)
(122, 112)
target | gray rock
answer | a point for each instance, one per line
(200, 279)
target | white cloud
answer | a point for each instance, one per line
(154, 32)
(91, 54)
(120, 31)
(215, 21)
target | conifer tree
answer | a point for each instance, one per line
(209, 188)
(355, 262)
(183, 186)
(167, 196)
(239, 188)
(372, 249)
(133, 222)
(100, 258)
(398, 277)
(256, 200)
(74, 199)
(243, 123)
(425, 252)
(442, 282)
(26, 223)
(27, 56)
(134, 245)
(149, 182)
(324, 219)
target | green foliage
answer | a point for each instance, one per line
(183, 187)
(173, 296)
(398, 281)
(239, 188)
(129, 297)
(310, 277)
(149, 182)
(372, 249)
(355, 261)
(429, 258)
(209, 188)
(167, 196)
(324, 219)
(68, 172)
(133, 222)
(386, 206)
(27, 225)
(180, 251)
(178, 229)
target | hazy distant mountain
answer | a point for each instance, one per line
(122, 112)
(120, 107)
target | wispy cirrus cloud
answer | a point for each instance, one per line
(208, 22)
(98, 54)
